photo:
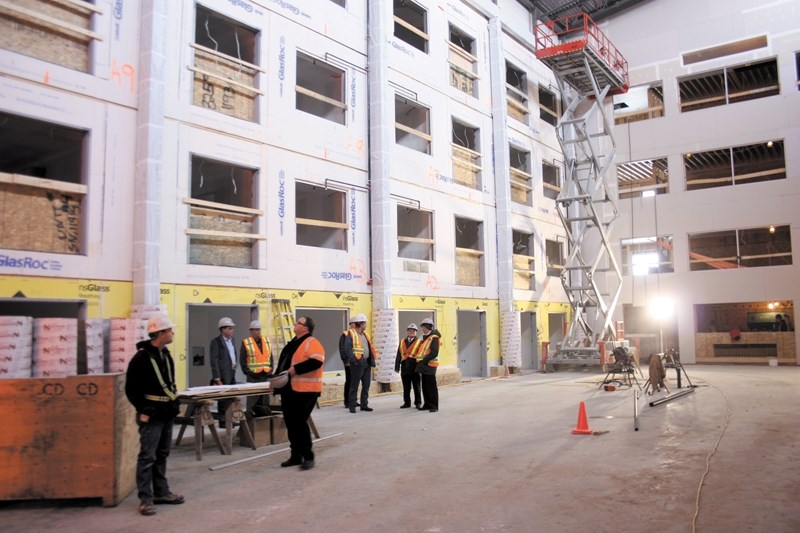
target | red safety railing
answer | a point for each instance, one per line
(574, 33)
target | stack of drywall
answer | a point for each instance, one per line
(95, 362)
(385, 338)
(125, 333)
(55, 347)
(16, 344)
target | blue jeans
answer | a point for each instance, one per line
(155, 440)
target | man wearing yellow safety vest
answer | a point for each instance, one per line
(358, 351)
(150, 387)
(406, 364)
(427, 363)
(255, 358)
(303, 359)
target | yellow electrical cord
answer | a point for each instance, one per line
(708, 460)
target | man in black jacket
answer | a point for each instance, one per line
(222, 356)
(427, 363)
(406, 363)
(150, 387)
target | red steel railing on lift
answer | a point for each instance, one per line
(553, 39)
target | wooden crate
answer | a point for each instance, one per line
(73, 437)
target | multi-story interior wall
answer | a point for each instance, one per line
(249, 179)
(712, 125)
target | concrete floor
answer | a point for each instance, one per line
(500, 456)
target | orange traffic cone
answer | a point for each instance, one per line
(583, 424)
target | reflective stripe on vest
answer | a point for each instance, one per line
(358, 350)
(258, 361)
(169, 390)
(310, 381)
(409, 351)
(157, 398)
(426, 350)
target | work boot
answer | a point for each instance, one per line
(147, 508)
(292, 461)
(171, 499)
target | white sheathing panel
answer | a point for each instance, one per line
(107, 213)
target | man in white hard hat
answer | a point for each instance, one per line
(150, 387)
(223, 362)
(358, 350)
(255, 357)
(427, 363)
(347, 373)
(406, 363)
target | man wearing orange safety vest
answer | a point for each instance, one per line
(302, 358)
(255, 358)
(427, 363)
(406, 364)
(358, 351)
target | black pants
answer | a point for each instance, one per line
(347, 379)
(430, 391)
(359, 375)
(410, 380)
(297, 407)
(262, 400)
(155, 440)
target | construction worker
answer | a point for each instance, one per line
(223, 362)
(255, 358)
(303, 359)
(150, 387)
(406, 363)
(346, 363)
(360, 354)
(427, 363)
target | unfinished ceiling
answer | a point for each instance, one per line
(597, 9)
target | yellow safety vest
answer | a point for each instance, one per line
(358, 350)
(258, 361)
(426, 350)
(409, 351)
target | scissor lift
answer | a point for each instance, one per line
(588, 69)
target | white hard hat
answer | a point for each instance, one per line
(158, 323)
(427, 322)
(412, 326)
(255, 324)
(225, 322)
(279, 381)
(358, 318)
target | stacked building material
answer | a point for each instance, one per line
(16, 345)
(95, 340)
(124, 334)
(55, 347)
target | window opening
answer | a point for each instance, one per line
(225, 73)
(320, 216)
(520, 177)
(463, 63)
(639, 103)
(554, 250)
(735, 166)
(729, 85)
(415, 234)
(42, 191)
(643, 178)
(647, 255)
(741, 248)
(412, 125)
(548, 106)
(56, 32)
(524, 264)
(410, 24)
(223, 214)
(466, 155)
(551, 180)
(320, 89)
(469, 252)
(517, 93)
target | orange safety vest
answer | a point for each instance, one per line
(358, 350)
(310, 381)
(425, 350)
(409, 351)
(258, 361)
